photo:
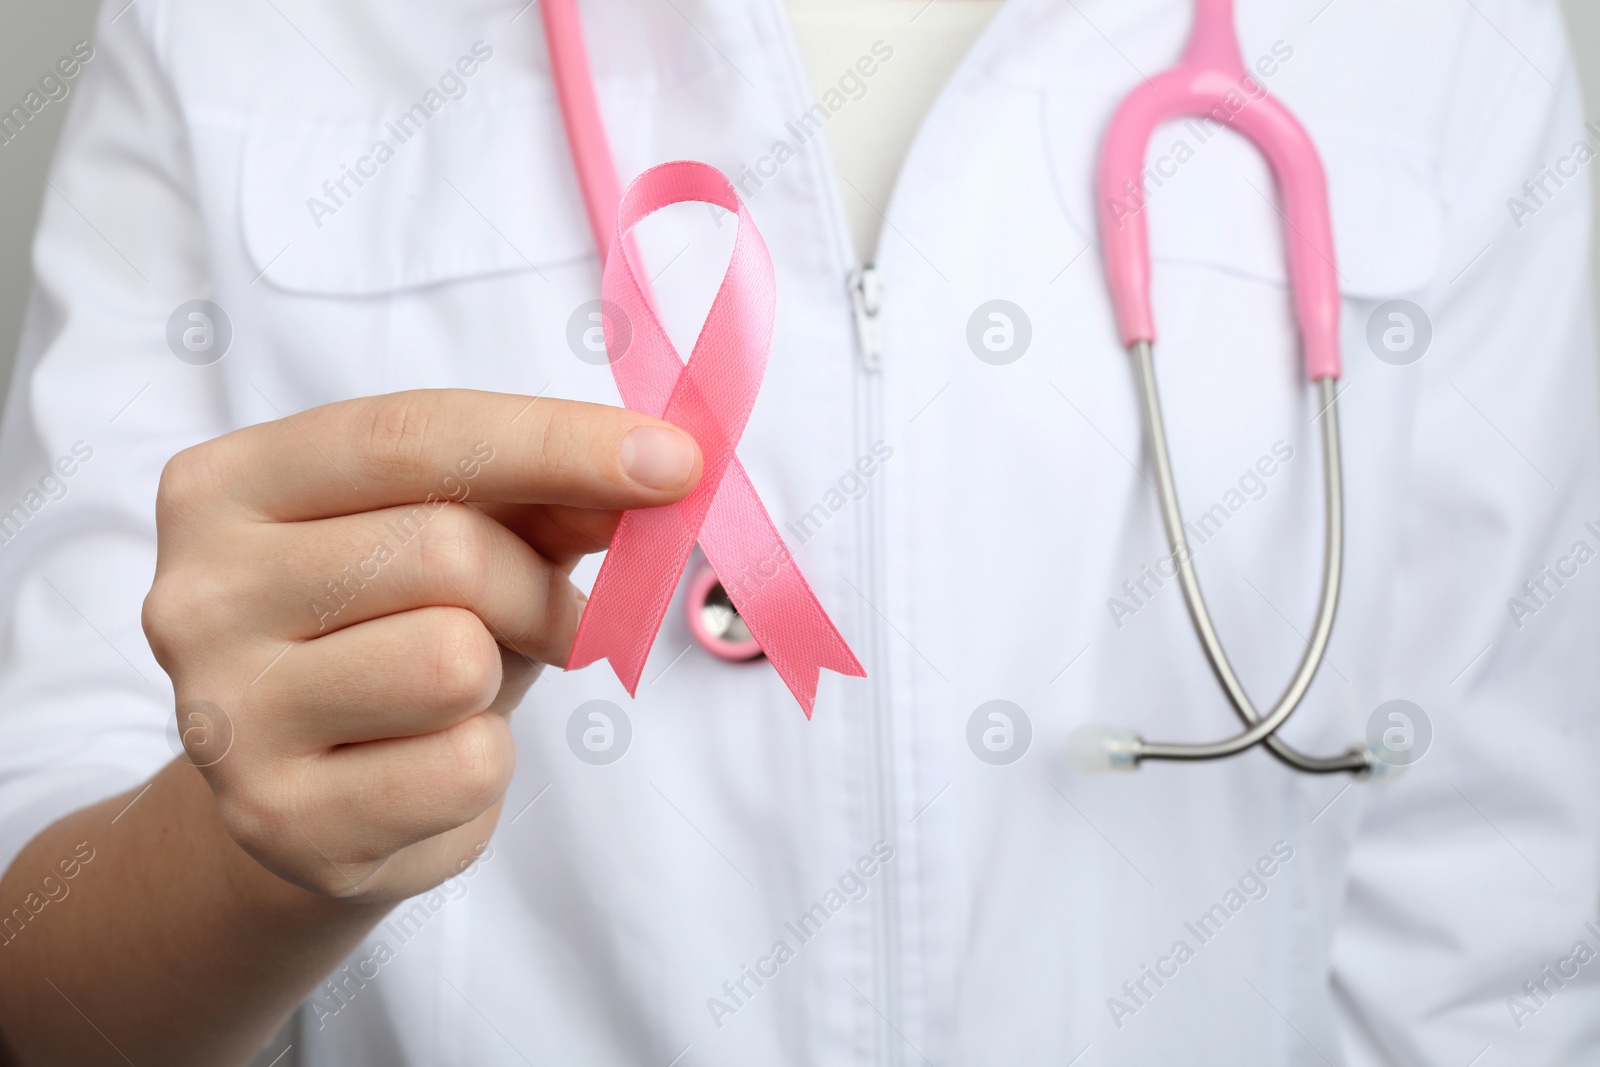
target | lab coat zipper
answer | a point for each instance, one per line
(866, 296)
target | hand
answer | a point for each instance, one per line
(366, 590)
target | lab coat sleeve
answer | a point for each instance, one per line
(1479, 868)
(97, 404)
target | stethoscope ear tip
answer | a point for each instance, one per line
(1098, 748)
(1380, 770)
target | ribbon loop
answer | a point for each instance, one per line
(710, 397)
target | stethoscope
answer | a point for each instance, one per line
(1210, 80)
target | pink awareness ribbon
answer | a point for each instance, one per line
(709, 397)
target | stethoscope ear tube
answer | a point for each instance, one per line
(1099, 747)
(1211, 83)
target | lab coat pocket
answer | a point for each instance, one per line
(1211, 200)
(407, 198)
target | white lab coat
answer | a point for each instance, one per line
(1006, 914)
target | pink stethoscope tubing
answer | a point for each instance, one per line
(1211, 71)
(580, 115)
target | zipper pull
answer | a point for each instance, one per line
(866, 295)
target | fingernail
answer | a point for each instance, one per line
(657, 458)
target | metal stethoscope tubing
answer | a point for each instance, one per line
(1259, 728)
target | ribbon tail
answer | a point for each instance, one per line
(632, 592)
(773, 598)
(802, 671)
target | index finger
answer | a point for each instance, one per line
(452, 445)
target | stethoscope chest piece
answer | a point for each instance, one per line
(715, 622)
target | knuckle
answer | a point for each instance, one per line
(466, 664)
(454, 548)
(161, 617)
(183, 605)
(556, 616)
(250, 820)
(268, 831)
(284, 817)
(483, 761)
(400, 429)
(332, 877)
(188, 479)
(325, 880)
(560, 438)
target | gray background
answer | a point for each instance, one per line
(34, 32)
